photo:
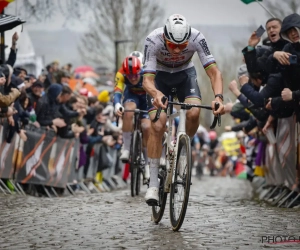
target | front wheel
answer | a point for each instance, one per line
(181, 181)
(158, 211)
(138, 181)
(136, 152)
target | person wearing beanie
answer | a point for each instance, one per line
(104, 97)
(48, 105)
(36, 92)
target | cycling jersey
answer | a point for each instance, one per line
(157, 57)
(121, 82)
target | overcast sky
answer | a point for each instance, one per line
(208, 12)
(217, 12)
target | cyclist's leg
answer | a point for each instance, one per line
(129, 103)
(154, 144)
(145, 125)
(189, 92)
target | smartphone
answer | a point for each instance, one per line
(260, 31)
(293, 59)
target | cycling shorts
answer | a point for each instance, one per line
(139, 100)
(182, 85)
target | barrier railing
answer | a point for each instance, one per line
(49, 162)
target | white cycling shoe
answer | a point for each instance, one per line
(151, 196)
(125, 156)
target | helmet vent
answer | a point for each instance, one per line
(178, 22)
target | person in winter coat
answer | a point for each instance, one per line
(47, 107)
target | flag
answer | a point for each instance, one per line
(240, 171)
(250, 1)
(4, 3)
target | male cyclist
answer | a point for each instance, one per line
(168, 68)
(129, 77)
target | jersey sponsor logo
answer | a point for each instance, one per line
(196, 37)
(145, 53)
(174, 58)
(150, 41)
(165, 53)
(204, 47)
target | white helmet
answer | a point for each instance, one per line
(138, 54)
(177, 30)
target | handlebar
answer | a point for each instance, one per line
(216, 120)
(136, 111)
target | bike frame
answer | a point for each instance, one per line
(171, 157)
(137, 127)
(171, 153)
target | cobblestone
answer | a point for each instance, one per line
(221, 215)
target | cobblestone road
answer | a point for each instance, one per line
(221, 215)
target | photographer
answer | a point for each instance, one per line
(253, 53)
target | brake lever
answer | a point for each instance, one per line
(217, 117)
(117, 121)
(163, 100)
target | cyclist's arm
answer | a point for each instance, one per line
(149, 84)
(149, 68)
(215, 77)
(209, 64)
(119, 88)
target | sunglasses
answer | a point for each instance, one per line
(132, 76)
(179, 46)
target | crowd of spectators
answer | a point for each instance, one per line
(267, 110)
(48, 102)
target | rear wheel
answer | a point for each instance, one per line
(181, 181)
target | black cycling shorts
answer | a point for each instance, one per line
(181, 85)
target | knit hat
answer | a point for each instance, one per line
(104, 96)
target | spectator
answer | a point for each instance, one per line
(47, 108)
(35, 93)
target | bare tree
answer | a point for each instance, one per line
(281, 9)
(114, 20)
(42, 10)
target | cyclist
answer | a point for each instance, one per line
(168, 68)
(130, 79)
(138, 54)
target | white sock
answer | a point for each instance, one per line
(145, 155)
(154, 164)
(127, 140)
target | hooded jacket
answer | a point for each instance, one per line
(290, 73)
(47, 106)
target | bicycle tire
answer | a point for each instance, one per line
(138, 182)
(135, 154)
(158, 211)
(184, 142)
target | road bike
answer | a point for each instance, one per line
(136, 160)
(176, 164)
